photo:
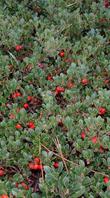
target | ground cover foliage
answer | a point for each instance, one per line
(55, 99)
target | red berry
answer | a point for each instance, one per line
(18, 126)
(38, 167)
(102, 20)
(94, 139)
(84, 81)
(68, 60)
(4, 196)
(62, 53)
(18, 48)
(29, 98)
(2, 172)
(35, 166)
(106, 180)
(31, 166)
(87, 129)
(101, 149)
(102, 111)
(50, 78)
(26, 106)
(41, 65)
(16, 94)
(37, 160)
(17, 184)
(60, 123)
(18, 110)
(31, 125)
(56, 164)
(106, 81)
(12, 116)
(59, 90)
(70, 84)
(83, 135)
(25, 186)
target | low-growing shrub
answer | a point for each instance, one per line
(55, 99)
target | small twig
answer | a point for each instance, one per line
(97, 172)
(58, 145)
(58, 155)
(40, 116)
(65, 28)
(13, 57)
(42, 172)
(41, 161)
(71, 4)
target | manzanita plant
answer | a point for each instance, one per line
(55, 99)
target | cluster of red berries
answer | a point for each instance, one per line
(23, 184)
(93, 139)
(50, 77)
(16, 94)
(30, 125)
(26, 105)
(36, 164)
(59, 90)
(2, 171)
(4, 196)
(83, 133)
(18, 48)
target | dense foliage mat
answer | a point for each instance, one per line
(55, 99)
